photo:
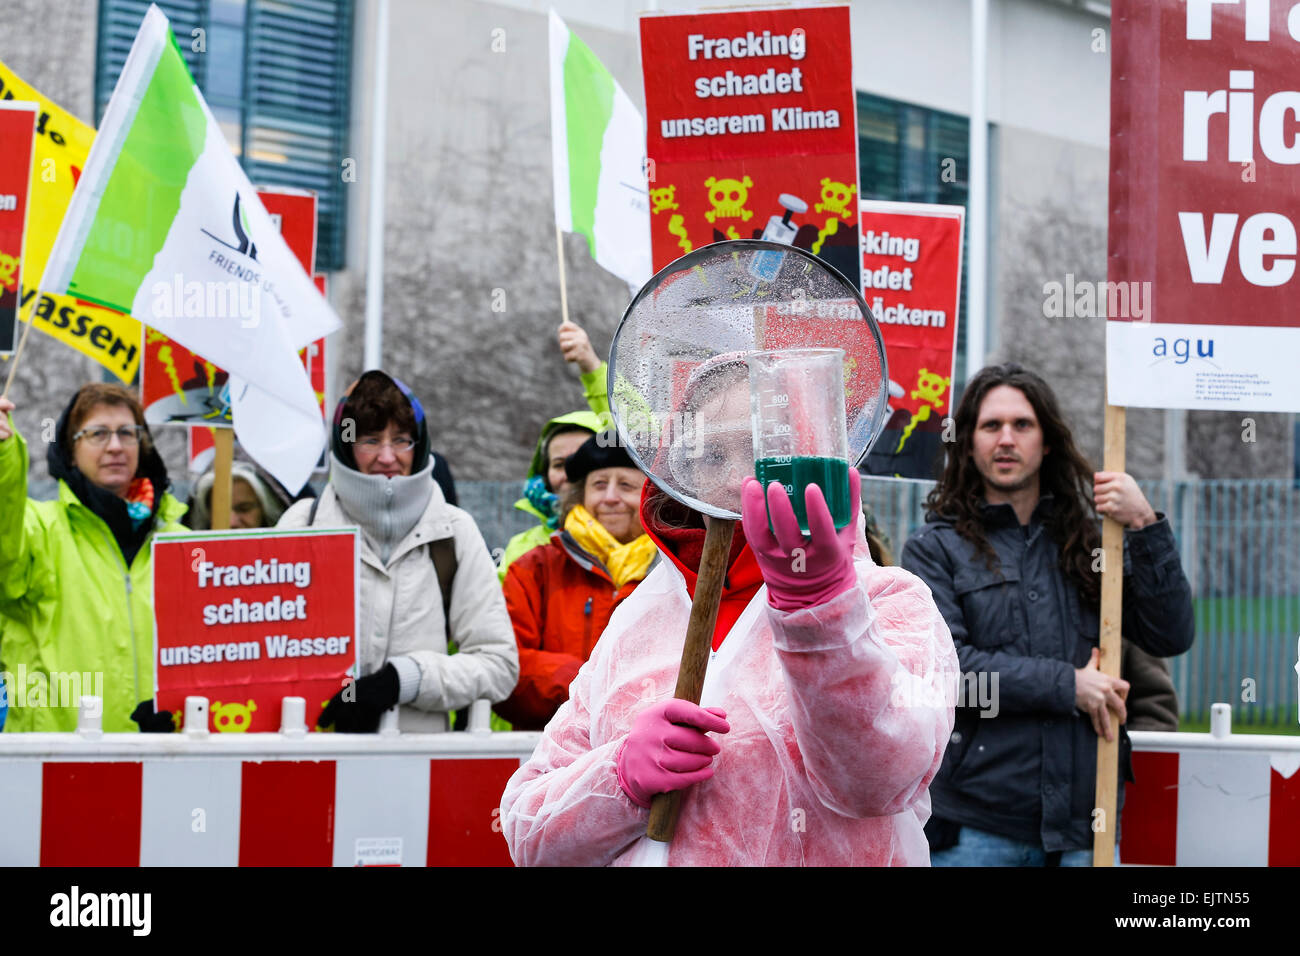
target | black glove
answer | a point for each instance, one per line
(150, 722)
(356, 709)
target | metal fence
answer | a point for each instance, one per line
(1240, 547)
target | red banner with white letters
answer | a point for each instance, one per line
(751, 131)
(17, 135)
(249, 618)
(1204, 205)
(911, 278)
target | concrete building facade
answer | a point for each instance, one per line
(471, 292)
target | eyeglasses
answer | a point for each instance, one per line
(375, 445)
(128, 435)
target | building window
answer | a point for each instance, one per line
(903, 153)
(276, 74)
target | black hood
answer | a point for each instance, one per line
(343, 449)
(108, 506)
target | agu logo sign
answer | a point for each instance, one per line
(1205, 201)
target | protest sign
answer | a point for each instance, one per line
(17, 132)
(751, 123)
(248, 618)
(62, 144)
(1204, 202)
(911, 278)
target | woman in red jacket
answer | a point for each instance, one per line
(561, 594)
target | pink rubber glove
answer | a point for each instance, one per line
(824, 567)
(667, 749)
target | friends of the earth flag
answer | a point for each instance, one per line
(62, 143)
(598, 155)
(166, 225)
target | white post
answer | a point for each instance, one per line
(90, 717)
(196, 716)
(480, 716)
(1220, 721)
(374, 348)
(293, 716)
(977, 199)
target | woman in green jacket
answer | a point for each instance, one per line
(76, 610)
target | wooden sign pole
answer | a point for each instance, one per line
(225, 454)
(664, 807)
(1112, 599)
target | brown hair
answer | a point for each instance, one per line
(1065, 474)
(374, 402)
(103, 393)
(571, 497)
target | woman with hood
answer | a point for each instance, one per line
(76, 584)
(380, 481)
(561, 595)
(546, 482)
(827, 679)
(257, 500)
(560, 438)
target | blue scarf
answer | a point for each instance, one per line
(547, 502)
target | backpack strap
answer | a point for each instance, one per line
(315, 503)
(444, 564)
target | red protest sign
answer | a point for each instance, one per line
(1204, 206)
(178, 386)
(17, 136)
(911, 278)
(751, 131)
(294, 212)
(248, 618)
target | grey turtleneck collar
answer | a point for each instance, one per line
(386, 509)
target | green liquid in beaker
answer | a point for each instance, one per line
(797, 472)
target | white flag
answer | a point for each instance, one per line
(163, 204)
(597, 154)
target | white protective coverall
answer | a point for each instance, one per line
(839, 718)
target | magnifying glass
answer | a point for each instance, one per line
(679, 393)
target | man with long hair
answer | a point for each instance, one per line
(1011, 550)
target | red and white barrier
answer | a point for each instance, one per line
(299, 799)
(282, 799)
(1216, 799)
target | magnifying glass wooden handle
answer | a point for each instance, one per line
(664, 807)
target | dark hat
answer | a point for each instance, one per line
(603, 450)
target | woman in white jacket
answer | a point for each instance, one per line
(380, 480)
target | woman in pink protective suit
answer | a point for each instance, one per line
(823, 716)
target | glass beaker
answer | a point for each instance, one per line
(796, 400)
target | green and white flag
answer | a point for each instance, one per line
(165, 225)
(597, 151)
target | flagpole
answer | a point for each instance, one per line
(374, 344)
(564, 291)
(977, 205)
(13, 362)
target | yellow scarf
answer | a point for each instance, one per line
(624, 562)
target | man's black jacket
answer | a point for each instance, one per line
(1029, 773)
